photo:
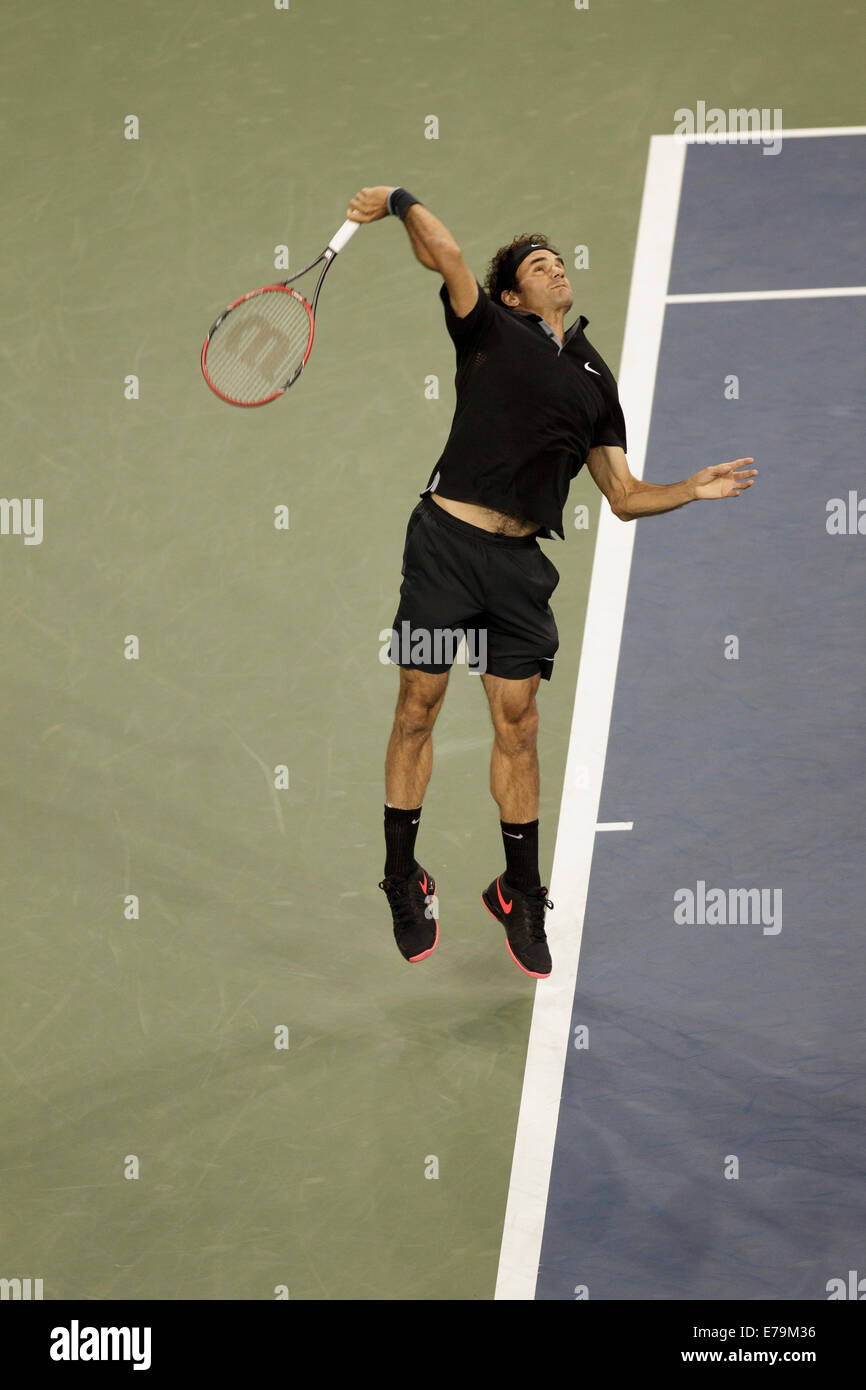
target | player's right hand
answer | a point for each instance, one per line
(370, 204)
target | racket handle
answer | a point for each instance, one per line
(346, 232)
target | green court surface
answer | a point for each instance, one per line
(307, 1167)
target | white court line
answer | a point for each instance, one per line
(754, 137)
(615, 825)
(834, 292)
(581, 793)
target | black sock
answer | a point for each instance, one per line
(521, 854)
(401, 828)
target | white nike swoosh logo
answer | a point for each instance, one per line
(591, 369)
(414, 822)
(512, 837)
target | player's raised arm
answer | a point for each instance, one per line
(431, 240)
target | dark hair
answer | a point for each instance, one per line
(502, 271)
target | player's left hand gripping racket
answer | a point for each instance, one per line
(259, 345)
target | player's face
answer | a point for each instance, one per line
(542, 283)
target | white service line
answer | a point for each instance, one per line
(554, 998)
(615, 825)
(831, 292)
(754, 137)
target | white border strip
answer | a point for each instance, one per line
(554, 999)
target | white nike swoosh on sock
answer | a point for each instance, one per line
(512, 837)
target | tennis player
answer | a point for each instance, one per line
(535, 401)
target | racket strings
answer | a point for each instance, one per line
(259, 346)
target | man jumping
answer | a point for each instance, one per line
(535, 401)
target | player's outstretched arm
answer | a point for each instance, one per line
(431, 240)
(631, 498)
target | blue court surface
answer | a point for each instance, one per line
(710, 1137)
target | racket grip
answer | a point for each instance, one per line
(346, 232)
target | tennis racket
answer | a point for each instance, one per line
(259, 345)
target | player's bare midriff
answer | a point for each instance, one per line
(499, 522)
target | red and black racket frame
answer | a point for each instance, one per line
(335, 245)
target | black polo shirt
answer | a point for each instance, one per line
(528, 412)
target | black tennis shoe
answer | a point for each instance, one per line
(415, 909)
(522, 916)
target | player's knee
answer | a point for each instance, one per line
(417, 709)
(517, 728)
(414, 720)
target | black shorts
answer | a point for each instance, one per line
(459, 580)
